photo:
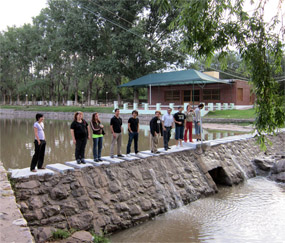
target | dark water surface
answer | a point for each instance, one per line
(253, 211)
(17, 141)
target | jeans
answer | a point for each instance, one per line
(80, 148)
(166, 136)
(188, 127)
(197, 128)
(133, 136)
(38, 158)
(179, 132)
(97, 147)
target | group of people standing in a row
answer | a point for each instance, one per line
(183, 122)
(81, 131)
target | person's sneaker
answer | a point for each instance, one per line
(112, 157)
(157, 152)
(34, 170)
(96, 160)
(137, 152)
(78, 161)
(151, 151)
(100, 159)
(120, 155)
(83, 161)
(168, 148)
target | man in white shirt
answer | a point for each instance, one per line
(197, 120)
(167, 125)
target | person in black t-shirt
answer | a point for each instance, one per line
(133, 128)
(116, 130)
(155, 130)
(79, 132)
(179, 119)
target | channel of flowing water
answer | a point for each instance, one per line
(253, 211)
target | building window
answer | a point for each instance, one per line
(211, 94)
(172, 95)
(188, 95)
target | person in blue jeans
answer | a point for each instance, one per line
(98, 133)
(133, 128)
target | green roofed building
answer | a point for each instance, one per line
(192, 86)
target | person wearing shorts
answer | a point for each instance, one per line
(179, 119)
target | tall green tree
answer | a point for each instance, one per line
(210, 26)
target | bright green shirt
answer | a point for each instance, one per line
(97, 135)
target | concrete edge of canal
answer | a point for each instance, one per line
(13, 226)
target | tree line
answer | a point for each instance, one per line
(76, 46)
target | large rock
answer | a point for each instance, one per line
(278, 171)
(42, 234)
(79, 236)
(280, 177)
(278, 167)
(81, 221)
(264, 164)
(59, 193)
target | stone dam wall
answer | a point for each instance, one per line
(113, 197)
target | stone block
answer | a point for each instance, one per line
(112, 160)
(81, 221)
(134, 210)
(59, 167)
(59, 193)
(80, 236)
(28, 185)
(141, 155)
(77, 166)
(69, 208)
(145, 204)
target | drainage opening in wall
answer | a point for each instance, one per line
(220, 177)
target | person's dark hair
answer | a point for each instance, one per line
(76, 114)
(201, 105)
(117, 109)
(38, 116)
(187, 107)
(93, 117)
(135, 111)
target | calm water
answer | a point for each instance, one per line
(250, 212)
(17, 141)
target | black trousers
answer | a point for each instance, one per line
(166, 136)
(38, 158)
(80, 148)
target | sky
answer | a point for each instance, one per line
(19, 12)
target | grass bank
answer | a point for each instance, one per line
(232, 114)
(59, 108)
